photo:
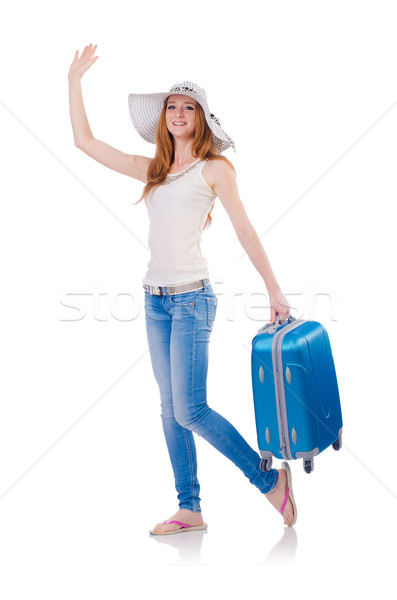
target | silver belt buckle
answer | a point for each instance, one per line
(154, 289)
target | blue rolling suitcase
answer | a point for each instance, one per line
(295, 390)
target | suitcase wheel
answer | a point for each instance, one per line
(337, 445)
(308, 465)
(266, 464)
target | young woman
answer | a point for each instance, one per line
(181, 182)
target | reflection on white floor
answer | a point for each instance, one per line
(188, 544)
(284, 551)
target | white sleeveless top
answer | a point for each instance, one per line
(177, 211)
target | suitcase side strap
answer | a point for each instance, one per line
(279, 386)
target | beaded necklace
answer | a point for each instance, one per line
(172, 176)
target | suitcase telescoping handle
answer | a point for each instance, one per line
(268, 328)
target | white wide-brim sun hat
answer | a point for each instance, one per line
(145, 110)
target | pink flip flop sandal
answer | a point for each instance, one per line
(289, 493)
(184, 527)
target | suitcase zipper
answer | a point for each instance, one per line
(283, 421)
(277, 343)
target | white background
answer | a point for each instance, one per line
(308, 92)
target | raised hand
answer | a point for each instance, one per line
(80, 65)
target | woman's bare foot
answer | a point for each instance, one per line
(184, 516)
(276, 497)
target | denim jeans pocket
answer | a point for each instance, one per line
(212, 302)
(185, 299)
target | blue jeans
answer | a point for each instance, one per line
(178, 329)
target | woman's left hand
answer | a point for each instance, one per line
(278, 304)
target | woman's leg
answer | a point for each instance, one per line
(179, 440)
(191, 328)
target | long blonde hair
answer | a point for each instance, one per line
(203, 146)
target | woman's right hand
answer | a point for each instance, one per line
(80, 65)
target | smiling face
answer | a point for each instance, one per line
(180, 116)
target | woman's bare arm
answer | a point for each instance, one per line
(128, 164)
(222, 179)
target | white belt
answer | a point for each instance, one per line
(179, 288)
